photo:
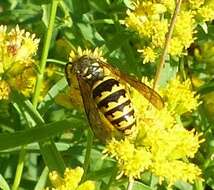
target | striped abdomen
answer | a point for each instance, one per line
(113, 101)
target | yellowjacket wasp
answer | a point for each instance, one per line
(105, 96)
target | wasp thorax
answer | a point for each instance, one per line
(89, 69)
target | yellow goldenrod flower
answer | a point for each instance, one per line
(162, 141)
(169, 4)
(180, 97)
(131, 161)
(196, 3)
(173, 143)
(70, 180)
(21, 46)
(3, 30)
(176, 170)
(150, 19)
(147, 8)
(185, 28)
(148, 54)
(29, 46)
(24, 82)
(50, 70)
(159, 30)
(175, 46)
(88, 185)
(76, 54)
(16, 64)
(151, 29)
(206, 13)
(4, 90)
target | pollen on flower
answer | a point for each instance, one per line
(161, 141)
(180, 97)
(4, 90)
(29, 46)
(185, 28)
(150, 20)
(172, 143)
(196, 3)
(175, 47)
(131, 163)
(16, 52)
(170, 5)
(176, 170)
(25, 81)
(70, 180)
(3, 30)
(56, 179)
(21, 44)
(206, 13)
(148, 54)
(76, 54)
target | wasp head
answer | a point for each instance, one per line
(89, 69)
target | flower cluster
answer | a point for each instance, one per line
(162, 145)
(150, 19)
(17, 68)
(77, 53)
(180, 98)
(70, 180)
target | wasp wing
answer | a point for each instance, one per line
(98, 123)
(151, 95)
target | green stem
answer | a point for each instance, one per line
(113, 176)
(45, 50)
(19, 169)
(49, 151)
(87, 154)
(199, 185)
(56, 61)
(42, 179)
(130, 185)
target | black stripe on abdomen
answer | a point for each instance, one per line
(123, 118)
(105, 85)
(119, 107)
(125, 128)
(112, 97)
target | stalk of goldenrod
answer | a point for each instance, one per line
(45, 50)
(130, 185)
(20, 166)
(167, 42)
(19, 169)
(87, 154)
(112, 178)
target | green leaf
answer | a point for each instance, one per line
(48, 149)
(183, 185)
(27, 13)
(35, 134)
(204, 27)
(22, 102)
(42, 180)
(206, 88)
(51, 94)
(167, 73)
(117, 40)
(79, 8)
(90, 34)
(138, 185)
(3, 184)
(34, 147)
